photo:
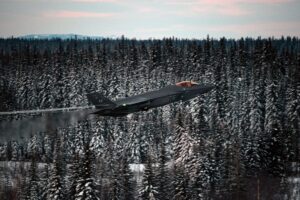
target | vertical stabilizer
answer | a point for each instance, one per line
(99, 100)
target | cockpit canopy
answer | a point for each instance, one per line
(186, 84)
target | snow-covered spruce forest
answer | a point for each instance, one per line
(239, 141)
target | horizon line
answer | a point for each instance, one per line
(97, 37)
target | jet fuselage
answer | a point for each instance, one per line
(153, 99)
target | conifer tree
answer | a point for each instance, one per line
(163, 178)
(74, 175)
(180, 183)
(86, 186)
(184, 143)
(44, 181)
(128, 184)
(33, 189)
(149, 189)
(293, 113)
(273, 129)
(253, 154)
(55, 187)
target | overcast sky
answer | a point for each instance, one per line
(151, 18)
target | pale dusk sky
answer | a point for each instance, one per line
(144, 19)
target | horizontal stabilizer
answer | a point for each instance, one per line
(99, 100)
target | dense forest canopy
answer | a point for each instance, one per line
(228, 144)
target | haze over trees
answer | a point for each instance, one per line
(239, 141)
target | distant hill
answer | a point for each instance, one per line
(60, 36)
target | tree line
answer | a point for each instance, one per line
(227, 144)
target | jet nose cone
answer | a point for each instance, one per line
(203, 88)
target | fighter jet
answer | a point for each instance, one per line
(183, 91)
(48, 120)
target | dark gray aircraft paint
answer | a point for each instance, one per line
(181, 91)
(49, 120)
